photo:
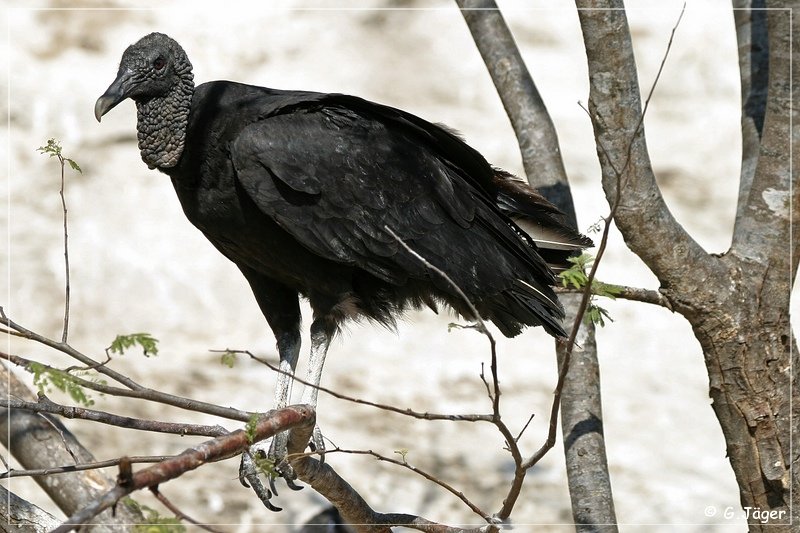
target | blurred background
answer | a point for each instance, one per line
(139, 266)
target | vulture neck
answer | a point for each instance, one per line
(162, 122)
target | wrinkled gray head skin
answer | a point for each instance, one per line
(156, 74)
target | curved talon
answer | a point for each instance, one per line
(248, 474)
(290, 483)
(272, 487)
(264, 495)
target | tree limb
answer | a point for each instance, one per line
(140, 391)
(615, 109)
(634, 294)
(45, 405)
(751, 36)
(763, 227)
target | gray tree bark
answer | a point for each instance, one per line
(18, 515)
(737, 303)
(581, 407)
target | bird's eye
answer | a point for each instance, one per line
(159, 63)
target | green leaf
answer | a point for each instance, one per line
(154, 522)
(52, 148)
(46, 378)
(146, 341)
(250, 428)
(606, 289)
(595, 314)
(575, 276)
(74, 165)
(266, 466)
(228, 358)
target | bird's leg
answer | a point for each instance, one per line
(289, 351)
(322, 331)
(275, 448)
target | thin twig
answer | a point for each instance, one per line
(45, 405)
(178, 513)
(385, 407)
(476, 316)
(446, 486)
(95, 465)
(511, 443)
(62, 193)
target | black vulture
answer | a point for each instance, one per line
(300, 189)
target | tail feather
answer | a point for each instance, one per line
(540, 219)
(527, 305)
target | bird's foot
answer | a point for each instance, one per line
(267, 459)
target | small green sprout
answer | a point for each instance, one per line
(47, 378)
(122, 343)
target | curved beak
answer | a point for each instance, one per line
(116, 92)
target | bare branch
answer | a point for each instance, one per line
(62, 193)
(634, 294)
(45, 405)
(36, 444)
(751, 35)
(95, 465)
(446, 486)
(350, 504)
(480, 325)
(384, 407)
(762, 231)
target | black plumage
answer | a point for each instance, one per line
(298, 190)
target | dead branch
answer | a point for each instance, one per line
(83, 466)
(45, 405)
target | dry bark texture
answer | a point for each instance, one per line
(737, 303)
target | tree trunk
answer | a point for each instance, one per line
(737, 304)
(581, 407)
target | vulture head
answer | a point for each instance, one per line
(156, 74)
(152, 67)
